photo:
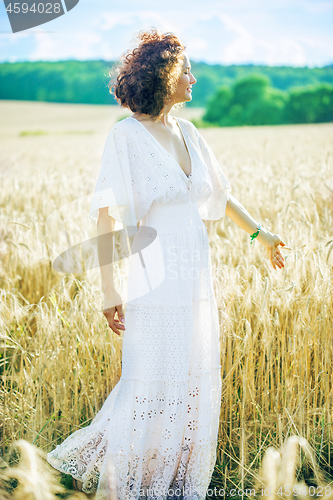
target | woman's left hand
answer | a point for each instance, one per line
(272, 243)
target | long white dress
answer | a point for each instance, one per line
(155, 436)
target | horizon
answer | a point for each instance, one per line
(192, 60)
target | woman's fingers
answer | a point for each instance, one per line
(276, 257)
(275, 264)
(279, 256)
(121, 316)
(108, 313)
(278, 260)
(115, 325)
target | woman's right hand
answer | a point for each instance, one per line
(113, 305)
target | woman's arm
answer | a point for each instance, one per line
(270, 241)
(112, 299)
(105, 226)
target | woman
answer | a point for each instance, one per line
(156, 434)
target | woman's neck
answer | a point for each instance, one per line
(164, 118)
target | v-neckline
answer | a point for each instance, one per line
(163, 148)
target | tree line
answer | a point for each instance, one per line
(251, 100)
(232, 95)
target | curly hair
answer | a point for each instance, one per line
(148, 75)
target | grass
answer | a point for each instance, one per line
(59, 360)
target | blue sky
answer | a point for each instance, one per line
(272, 32)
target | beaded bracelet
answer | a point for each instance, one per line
(254, 235)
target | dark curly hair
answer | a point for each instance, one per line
(148, 75)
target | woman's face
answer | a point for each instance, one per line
(186, 80)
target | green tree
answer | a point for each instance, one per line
(252, 101)
(310, 104)
(219, 105)
(250, 88)
(267, 109)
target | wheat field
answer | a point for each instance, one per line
(59, 359)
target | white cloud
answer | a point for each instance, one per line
(241, 49)
(232, 25)
(85, 44)
(10, 42)
(79, 45)
(46, 47)
(286, 51)
(197, 45)
(13, 38)
(108, 20)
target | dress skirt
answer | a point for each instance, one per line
(155, 437)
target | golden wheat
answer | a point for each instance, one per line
(36, 479)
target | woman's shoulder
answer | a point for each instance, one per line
(122, 125)
(192, 131)
(186, 123)
(123, 129)
(189, 127)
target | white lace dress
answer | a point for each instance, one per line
(155, 436)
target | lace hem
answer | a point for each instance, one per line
(154, 435)
(185, 475)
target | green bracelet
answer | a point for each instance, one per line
(254, 235)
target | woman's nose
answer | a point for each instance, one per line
(193, 80)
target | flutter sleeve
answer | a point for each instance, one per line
(213, 208)
(114, 185)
